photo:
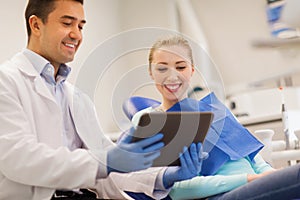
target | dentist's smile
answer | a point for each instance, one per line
(70, 45)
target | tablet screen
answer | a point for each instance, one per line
(179, 129)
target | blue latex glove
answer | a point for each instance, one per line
(191, 163)
(128, 157)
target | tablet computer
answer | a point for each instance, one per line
(179, 129)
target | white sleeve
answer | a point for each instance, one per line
(144, 181)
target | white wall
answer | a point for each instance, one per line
(13, 31)
(229, 26)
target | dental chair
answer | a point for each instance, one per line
(136, 103)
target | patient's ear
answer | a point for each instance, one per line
(193, 70)
(150, 72)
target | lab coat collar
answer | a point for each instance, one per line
(25, 66)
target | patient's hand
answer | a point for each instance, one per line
(191, 163)
(252, 177)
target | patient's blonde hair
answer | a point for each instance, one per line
(170, 40)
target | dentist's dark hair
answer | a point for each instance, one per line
(41, 9)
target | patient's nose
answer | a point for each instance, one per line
(173, 75)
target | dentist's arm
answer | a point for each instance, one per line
(128, 157)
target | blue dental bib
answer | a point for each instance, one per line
(226, 139)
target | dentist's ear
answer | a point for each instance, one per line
(35, 23)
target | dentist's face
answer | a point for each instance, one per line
(61, 35)
(171, 70)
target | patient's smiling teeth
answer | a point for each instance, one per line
(172, 87)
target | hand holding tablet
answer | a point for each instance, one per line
(179, 128)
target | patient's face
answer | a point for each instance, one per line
(171, 71)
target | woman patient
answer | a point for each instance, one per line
(234, 169)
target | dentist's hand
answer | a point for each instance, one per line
(191, 163)
(128, 157)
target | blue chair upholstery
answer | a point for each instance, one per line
(136, 103)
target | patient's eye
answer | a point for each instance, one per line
(161, 68)
(181, 68)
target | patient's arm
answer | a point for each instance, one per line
(252, 177)
(260, 167)
(234, 174)
(204, 186)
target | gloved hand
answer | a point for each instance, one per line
(128, 157)
(191, 163)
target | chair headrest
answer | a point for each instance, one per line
(136, 103)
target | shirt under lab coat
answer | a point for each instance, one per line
(33, 160)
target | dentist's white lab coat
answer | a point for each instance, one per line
(33, 161)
